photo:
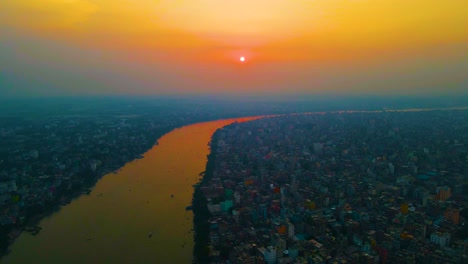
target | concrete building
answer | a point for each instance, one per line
(443, 193)
(269, 254)
(441, 239)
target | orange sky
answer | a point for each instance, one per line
(193, 46)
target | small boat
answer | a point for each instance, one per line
(150, 234)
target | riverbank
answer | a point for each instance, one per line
(36, 212)
(147, 195)
(201, 214)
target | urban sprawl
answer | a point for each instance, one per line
(341, 187)
(385, 187)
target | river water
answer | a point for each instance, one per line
(112, 224)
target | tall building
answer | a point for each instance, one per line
(404, 208)
(280, 246)
(452, 215)
(226, 205)
(391, 168)
(269, 254)
(442, 193)
(441, 239)
(262, 211)
(290, 229)
(237, 197)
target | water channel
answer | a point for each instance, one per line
(136, 215)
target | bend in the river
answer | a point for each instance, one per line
(137, 215)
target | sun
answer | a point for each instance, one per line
(242, 59)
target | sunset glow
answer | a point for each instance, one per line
(242, 59)
(339, 46)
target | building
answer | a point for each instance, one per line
(237, 197)
(226, 205)
(452, 215)
(442, 193)
(269, 254)
(214, 208)
(391, 168)
(290, 229)
(441, 239)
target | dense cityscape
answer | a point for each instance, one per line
(386, 187)
(328, 187)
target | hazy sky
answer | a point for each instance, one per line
(86, 47)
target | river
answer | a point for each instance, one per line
(112, 224)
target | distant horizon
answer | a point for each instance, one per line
(290, 48)
(247, 96)
(300, 103)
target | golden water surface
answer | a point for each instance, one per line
(112, 224)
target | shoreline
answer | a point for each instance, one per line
(200, 208)
(53, 206)
(38, 211)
